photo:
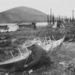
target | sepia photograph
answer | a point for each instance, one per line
(37, 37)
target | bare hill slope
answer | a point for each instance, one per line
(22, 14)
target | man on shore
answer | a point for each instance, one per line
(38, 58)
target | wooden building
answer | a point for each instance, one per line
(23, 26)
(3, 28)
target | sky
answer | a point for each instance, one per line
(59, 7)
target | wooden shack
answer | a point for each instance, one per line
(23, 26)
(3, 28)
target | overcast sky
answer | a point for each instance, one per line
(59, 7)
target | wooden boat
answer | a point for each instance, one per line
(50, 44)
(15, 62)
(20, 60)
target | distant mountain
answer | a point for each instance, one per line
(22, 14)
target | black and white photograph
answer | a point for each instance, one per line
(37, 37)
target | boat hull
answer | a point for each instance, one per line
(13, 66)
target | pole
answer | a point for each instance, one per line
(50, 15)
(72, 14)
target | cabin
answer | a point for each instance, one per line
(8, 27)
(23, 26)
(3, 28)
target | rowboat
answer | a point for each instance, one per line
(50, 44)
(20, 60)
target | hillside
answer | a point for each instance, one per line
(22, 14)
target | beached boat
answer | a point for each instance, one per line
(50, 44)
(20, 60)
(16, 61)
